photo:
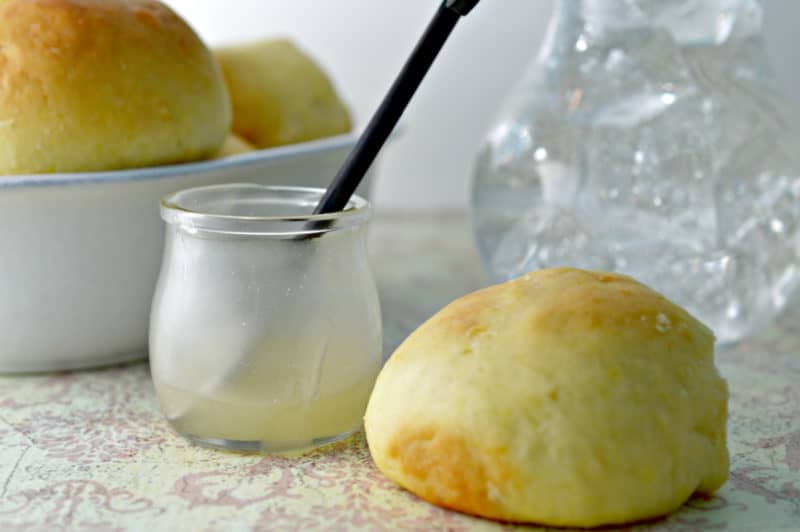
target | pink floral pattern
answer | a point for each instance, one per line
(81, 504)
(90, 450)
(63, 419)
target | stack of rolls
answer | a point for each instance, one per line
(92, 85)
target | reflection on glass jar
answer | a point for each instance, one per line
(265, 333)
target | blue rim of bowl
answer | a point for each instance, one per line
(325, 145)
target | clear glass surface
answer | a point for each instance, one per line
(647, 138)
(265, 331)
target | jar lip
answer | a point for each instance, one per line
(194, 208)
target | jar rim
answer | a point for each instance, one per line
(198, 209)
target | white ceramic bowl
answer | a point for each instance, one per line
(81, 252)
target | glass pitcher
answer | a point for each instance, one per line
(648, 138)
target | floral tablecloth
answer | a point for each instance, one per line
(90, 451)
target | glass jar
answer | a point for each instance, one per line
(265, 332)
(648, 137)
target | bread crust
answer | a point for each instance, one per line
(91, 85)
(280, 95)
(564, 398)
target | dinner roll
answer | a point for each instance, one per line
(280, 96)
(565, 398)
(104, 84)
(235, 145)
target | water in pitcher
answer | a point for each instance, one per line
(648, 138)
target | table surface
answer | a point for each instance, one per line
(90, 450)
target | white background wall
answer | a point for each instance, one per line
(363, 43)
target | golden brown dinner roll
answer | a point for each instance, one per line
(234, 145)
(565, 397)
(104, 84)
(280, 96)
